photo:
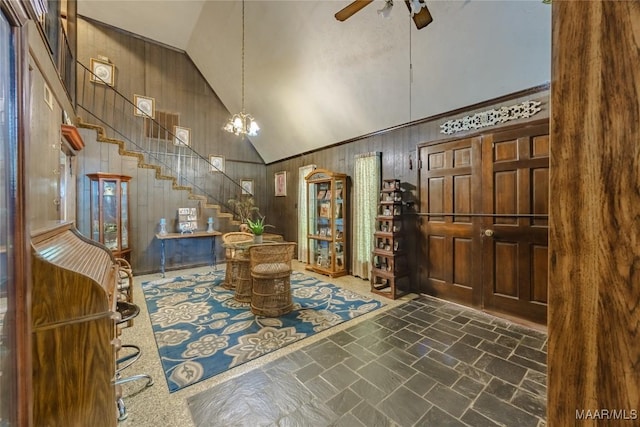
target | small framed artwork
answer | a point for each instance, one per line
(247, 186)
(181, 136)
(281, 183)
(101, 72)
(145, 106)
(217, 163)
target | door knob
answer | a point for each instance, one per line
(488, 232)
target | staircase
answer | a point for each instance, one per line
(137, 134)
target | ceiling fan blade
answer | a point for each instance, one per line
(351, 9)
(423, 18)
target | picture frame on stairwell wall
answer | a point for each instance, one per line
(145, 106)
(217, 163)
(102, 72)
(181, 136)
(247, 186)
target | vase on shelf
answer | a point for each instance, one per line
(163, 227)
(257, 238)
(210, 225)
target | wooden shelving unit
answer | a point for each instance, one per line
(327, 216)
(389, 267)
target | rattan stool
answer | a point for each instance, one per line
(231, 253)
(271, 279)
(243, 279)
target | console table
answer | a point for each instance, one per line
(194, 235)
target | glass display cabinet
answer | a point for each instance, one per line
(110, 212)
(327, 210)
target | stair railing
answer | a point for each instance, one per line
(101, 104)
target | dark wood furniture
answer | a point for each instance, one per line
(389, 267)
(73, 329)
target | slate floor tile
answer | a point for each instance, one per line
(505, 370)
(381, 377)
(448, 400)
(425, 363)
(437, 417)
(535, 405)
(344, 401)
(468, 387)
(321, 389)
(328, 354)
(340, 376)
(436, 370)
(464, 352)
(476, 419)
(368, 391)
(404, 406)
(370, 416)
(503, 412)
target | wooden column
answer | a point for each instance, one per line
(594, 239)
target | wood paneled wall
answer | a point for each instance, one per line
(399, 160)
(145, 68)
(594, 264)
(167, 75)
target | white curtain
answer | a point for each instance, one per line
(366, 190)
(302, 212)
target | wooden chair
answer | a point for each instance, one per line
(271, 277)
(232, 256)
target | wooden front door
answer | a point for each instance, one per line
(484, 206)
(515, 236)
(449, 194)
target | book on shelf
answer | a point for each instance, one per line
(325, 210)
(338, 210)
(321, 194)
(339, 193)
(327, 196)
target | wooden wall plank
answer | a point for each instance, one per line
(594, 260)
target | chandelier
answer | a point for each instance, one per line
(242, 123)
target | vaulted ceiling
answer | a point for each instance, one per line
(312, 81)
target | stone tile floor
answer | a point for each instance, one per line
(423, 363)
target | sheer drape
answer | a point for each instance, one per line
(366, 189)
(302, 212)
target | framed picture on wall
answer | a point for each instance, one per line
(217, 163)
(145, 106)
(247, 186)
(181, 136)
(101, 72)
(281, 183)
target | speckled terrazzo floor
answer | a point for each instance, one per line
(416, 362)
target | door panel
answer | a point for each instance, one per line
(449, 196)
(515, 175)
(497, 182)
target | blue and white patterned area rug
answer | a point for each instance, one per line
(202, 331)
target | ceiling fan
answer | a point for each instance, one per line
(419, 12)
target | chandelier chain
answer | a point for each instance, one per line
(242, 56)
(242, 123)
